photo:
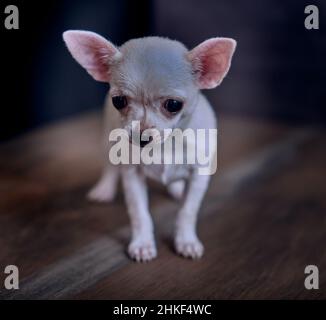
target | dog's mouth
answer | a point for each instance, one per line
(140, 142)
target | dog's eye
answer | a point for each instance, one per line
(172, 106)
(119, 102)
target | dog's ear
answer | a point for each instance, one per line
(211, 61)
(92, 52)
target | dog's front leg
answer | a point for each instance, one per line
(142, 246)
(186, 240)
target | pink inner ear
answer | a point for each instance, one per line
(211, 61)
(91, 51)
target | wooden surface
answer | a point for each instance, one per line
(263, 219)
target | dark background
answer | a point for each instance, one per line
(278, 71)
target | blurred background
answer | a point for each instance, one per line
(278, 71)
(263, 218)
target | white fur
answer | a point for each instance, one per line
(147, 71)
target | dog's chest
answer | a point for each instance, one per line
(165, 174)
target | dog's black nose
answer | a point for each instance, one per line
(143, 143)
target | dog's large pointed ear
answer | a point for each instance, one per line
(211, 61)
(92, 52)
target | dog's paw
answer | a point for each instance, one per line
(189, 247)
(176, 189)
(142, 250)
(102, 192)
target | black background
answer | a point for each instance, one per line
(278, 72)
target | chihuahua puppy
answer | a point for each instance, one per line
(157, 82)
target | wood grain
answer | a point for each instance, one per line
(262, 221)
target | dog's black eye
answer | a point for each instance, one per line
(172, 106)
(119, 102)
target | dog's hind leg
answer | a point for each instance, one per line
(177, 189)
(106, 188)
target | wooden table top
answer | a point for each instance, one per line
(262, 221)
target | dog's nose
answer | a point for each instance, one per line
(143, 143)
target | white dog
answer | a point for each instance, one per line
(157, 82)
